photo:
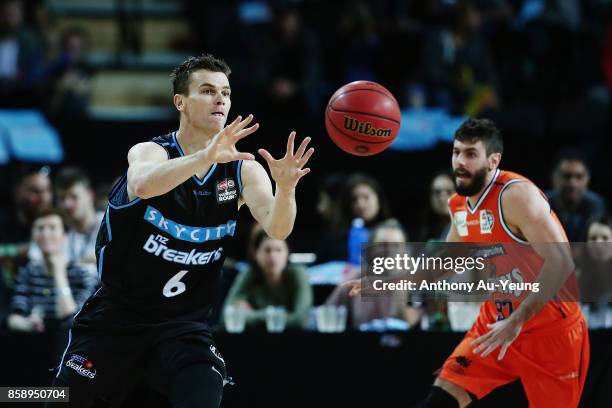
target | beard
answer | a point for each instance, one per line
(473, 187)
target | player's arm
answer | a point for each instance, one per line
(275, 212)
(151, 173)
(528, 212)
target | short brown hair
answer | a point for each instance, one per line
(473, 130)
(180, 75)
(69, 176)
(49, 212)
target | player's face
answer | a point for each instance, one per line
(572, 180)
(599, 237)
(272, 256)
(441, 189)
(208, 103)
(470, 167)
(48, 234)
(75, 201)
(365, 202)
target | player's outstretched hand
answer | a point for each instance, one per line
(287, 171)
(502, 333)
(222, 148)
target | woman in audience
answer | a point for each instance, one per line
(272, 281)
(436, 218)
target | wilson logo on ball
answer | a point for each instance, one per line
(365, 128)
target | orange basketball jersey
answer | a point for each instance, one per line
(484, 223)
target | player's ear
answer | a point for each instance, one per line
(494, 160)
(178, 102)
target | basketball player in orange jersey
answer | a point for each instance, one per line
(543, 343)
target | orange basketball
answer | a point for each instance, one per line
(362, 118)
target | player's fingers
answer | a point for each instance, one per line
(481, 339)
(305, 158)
(300, 151)
(229, 129)
(303, 172)
(266, 155)
(245, 156)
(245, 132)
(243, 123)
(491, 348)
(290, 143)
(504, 348)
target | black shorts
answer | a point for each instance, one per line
(109, 364)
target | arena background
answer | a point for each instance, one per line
(541, 69)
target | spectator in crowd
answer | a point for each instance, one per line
(272, 281)
(19, 54)
(48, 293)
(31, 194)
(330, 243)
(437, 218)
(458, 65)
(362, 197)
(294, 66)
(76, 201)
(594, 273)
(70, 75)
(382, 307)
(571, 198)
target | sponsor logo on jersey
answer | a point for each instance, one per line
(461, 223)
(202, 192)
(187, 232)
(486, 222)
(157, 248)
(82, 366)
(226, 191)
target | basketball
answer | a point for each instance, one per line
(362, 118)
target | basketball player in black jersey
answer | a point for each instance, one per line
(162, 243)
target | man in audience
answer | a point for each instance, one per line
(571, 198)
(76, 200)
(32, 194)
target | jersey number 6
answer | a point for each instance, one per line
(174, 286)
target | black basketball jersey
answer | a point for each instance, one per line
(162, 256)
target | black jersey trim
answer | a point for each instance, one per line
(122, 183)
(195, 178)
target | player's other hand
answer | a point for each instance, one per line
(502, 333)
(222, 148)
(287, 171)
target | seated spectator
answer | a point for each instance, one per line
(594, 273)
(271, 281)
(31, 194)
(329, 241)
(571, 198)
(436, 218)
(381, 307)
(48, 293)
(76, 201)
(362, 197)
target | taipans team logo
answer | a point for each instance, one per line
(459, 364)
(226, 191)
(486, 222)
(82, 366)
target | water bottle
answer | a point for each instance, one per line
(358, 235)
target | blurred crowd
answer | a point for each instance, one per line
(537, 67)
(48, 237)
(42, 66)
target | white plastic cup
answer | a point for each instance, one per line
(234, 318)
(276, 319)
